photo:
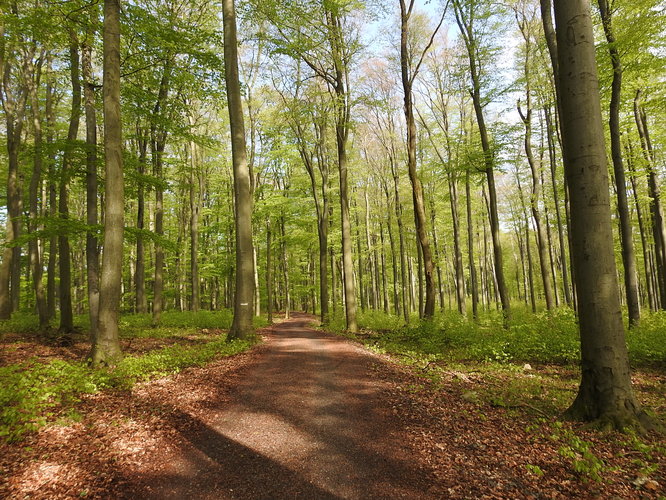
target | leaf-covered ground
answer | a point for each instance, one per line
(308, 415)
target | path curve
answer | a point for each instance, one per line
(305, 419)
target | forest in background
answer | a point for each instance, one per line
(455, 201)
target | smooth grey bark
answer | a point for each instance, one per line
(242, 326)
(605, 393)
(106, 346)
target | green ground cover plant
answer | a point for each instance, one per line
(30, 392)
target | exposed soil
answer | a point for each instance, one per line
(306, 415)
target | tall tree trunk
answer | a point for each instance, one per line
(140, 271)
(656, 211)
(92, 251)
(52, 193)
(342, 125)
(385, 297)
(269, 273)
(64, 261)
(542, 242)
(402, 249)
(195, 207)
(470, 248)
(106, 347)
(650, 290)
(158, 136)
(14, 104)
(605, 392)
(408, 75)
(243, 302)
(556, 202)
(457, 251)
(285, 270)
(467, 30)
(626, 237)
(35, 182)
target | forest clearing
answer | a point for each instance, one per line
(332, 249)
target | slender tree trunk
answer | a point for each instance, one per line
(269, 273)
(158, 137)
(656, 211)
(140, 271)
(285, 270)
(52, 194)
(417, 189)
(605, 392)
(394, 259)
(457, 251)
(65, 266)
(106, 347)
(195, 207)
(470, 249)
(536, 177)
(35, 181)
(385, 297)
(626, 237)
(92, 251)
(651, 292)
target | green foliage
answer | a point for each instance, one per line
(583, 461)
(29, 391)
(647, 341)
(546, 337)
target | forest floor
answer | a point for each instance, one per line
(310, 415)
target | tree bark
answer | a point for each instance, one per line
(140, 271)
(420, 219)
(92, 251)
(605, 393)
(158, 136)
(64, 261)
(242, 326)
(36, 267)
(106, 347)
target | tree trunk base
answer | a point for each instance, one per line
(624, 418)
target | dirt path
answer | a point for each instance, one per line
(305, 420)
(310, 416)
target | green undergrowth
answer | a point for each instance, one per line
(547, 337)
(530, 369)
(136, 325)
(31, 392)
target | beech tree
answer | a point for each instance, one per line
(106, 344)
(244, 294)
(605, 393)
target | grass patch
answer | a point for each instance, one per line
(29, 392)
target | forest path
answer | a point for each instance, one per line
(306, 418)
